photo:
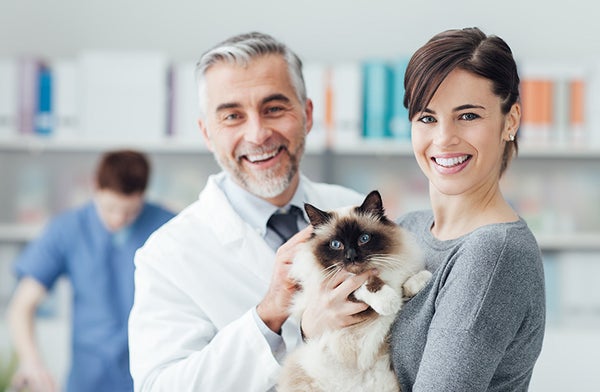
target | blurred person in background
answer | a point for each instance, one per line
(92, 246)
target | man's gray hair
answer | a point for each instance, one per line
(240, 50)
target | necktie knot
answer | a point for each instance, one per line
(284, 224)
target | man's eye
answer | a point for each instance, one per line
(232, 116)
(274, 109)
(335, 244)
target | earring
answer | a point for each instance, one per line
(511, 137)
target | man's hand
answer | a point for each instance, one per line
(330, 308)
(33, 377)
(274, 308)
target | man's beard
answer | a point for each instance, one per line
(265, 183)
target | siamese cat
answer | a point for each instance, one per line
(352, 239)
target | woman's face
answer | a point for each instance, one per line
(458, 139)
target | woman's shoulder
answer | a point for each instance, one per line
(414, 219)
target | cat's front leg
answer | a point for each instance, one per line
(415, 283)
(379, 296)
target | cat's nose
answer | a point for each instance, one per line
(350, 255)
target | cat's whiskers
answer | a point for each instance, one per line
(330, 272)
(383, 260)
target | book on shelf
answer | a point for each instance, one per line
(9, 107)
(579, 276)
(346, 102)
(123, 95)
(65, 98)
(377, 76)
(183, 105)
(28, 94)
(317, 81)
(399, 122)
(554, 104)
(43, 120)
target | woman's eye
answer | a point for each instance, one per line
(469, 116)
(426, 119)
(335, 244)
(364, 238)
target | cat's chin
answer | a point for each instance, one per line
(356, 269)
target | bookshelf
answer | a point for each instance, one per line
(327, 164)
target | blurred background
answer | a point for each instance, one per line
(78, 78)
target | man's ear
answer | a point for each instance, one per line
(205, 135)
(308, 112)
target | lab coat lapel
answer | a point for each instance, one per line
(243, 244)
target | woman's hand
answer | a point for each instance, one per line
(331, 308)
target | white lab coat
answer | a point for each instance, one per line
(197, 280)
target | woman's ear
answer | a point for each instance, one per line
(512, 122)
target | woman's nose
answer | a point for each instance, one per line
(445, 134)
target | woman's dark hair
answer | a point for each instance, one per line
(124, 171)
(471, 50)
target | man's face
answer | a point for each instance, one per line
(117, 210)
(256, 126)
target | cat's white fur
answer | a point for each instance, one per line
(355, 358)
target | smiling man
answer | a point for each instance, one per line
(212, 288)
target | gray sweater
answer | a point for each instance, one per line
(479, 323)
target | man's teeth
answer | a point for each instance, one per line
(262, 157)
(449, 162)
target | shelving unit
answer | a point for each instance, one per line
(320, 162)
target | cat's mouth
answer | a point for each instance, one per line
(263, 156)
(355, 267)
(449, 162)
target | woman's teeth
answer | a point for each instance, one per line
(449, 162)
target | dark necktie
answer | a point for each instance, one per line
(284, 224)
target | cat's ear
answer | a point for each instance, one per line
(316, 216)
(373, 204)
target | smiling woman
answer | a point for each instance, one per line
(479, 324)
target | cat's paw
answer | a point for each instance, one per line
(415, 283)
(385, 301)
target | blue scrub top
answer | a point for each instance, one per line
(99, 266)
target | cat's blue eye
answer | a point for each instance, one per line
(335, 244)
(364, 238)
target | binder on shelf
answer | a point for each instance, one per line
(554, 104)
(399, 123)
(537, 108)
(43, 120)
(28, 94)
(346, 105)
(316, 81)
(8, 97)
(65, 99)
(184, 111)
(376, 99)
(123, 95)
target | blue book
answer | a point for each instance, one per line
(376, 99)
(399, 122)
(43, 114)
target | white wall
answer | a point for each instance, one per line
(317, 29)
